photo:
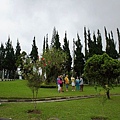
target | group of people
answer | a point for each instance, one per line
(77, 84)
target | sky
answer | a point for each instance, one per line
(24, 19)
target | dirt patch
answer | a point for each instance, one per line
(53, 119)
(99, 118)
(34, 111)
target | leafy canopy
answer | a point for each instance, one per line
(102, 69)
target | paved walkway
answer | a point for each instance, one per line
(53, 99)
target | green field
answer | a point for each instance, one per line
(82, 109)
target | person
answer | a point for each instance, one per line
(66, 82)
(77, 82)
(81, 83)
(58, 83)
(61, 83)
(73, 83)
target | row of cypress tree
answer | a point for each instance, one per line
(11, 59)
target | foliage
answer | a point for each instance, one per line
(2, 55)
(34, 52)
(102, 70)
(52, 61)
(31, 73)
(79, 58)
(9, 60)
(68, 61)
(110, 45)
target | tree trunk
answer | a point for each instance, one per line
(108, 94)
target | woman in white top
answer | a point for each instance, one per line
(73, 83)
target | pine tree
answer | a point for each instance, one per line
(99, 43)
(79, 58)
(94, 44)
(9, 60)
(18, 49)
(55, 42)
(2, 60)
(47, 46)
(118, 33)
(53, 37)
(17, 55)
(68, 63)
(91, 45)
(44, 45)
(110, 45)
(85, 37)
(34, 52)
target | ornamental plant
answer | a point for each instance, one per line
(31, 72)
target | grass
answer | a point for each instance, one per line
(19, 89)
(82, 109)
(68, 110)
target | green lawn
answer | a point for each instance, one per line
(82, 109)
(19, 89)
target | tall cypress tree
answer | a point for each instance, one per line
(34, 52)
(9, 60)
(118, 33)
(55, 42)
(85, 37)
(17, 55)
(68, 63)
(18, 49)
(79, 58)
(94, 48)
(99, 43)
(113, 48)
(91, 45)
(53, 37)
(2, 60)
(44, 45)
(110, 45)
(47, 46)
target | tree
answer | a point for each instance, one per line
(10, 67)
(110, 45)
(55, 46)
(55, 42)
(2, 59)
(18, 49)
(85, 37)
(53, 61)
(118, 33)
(99, 44)
(44, 45)
(103, 70)
(68, 61)
(17, 54)
(32, 75)
(47, 46)
(79, 58)
(53, 37)
(34, 52)
(91, 45)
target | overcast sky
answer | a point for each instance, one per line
(24, 19)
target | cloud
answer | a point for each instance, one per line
(24, 19)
